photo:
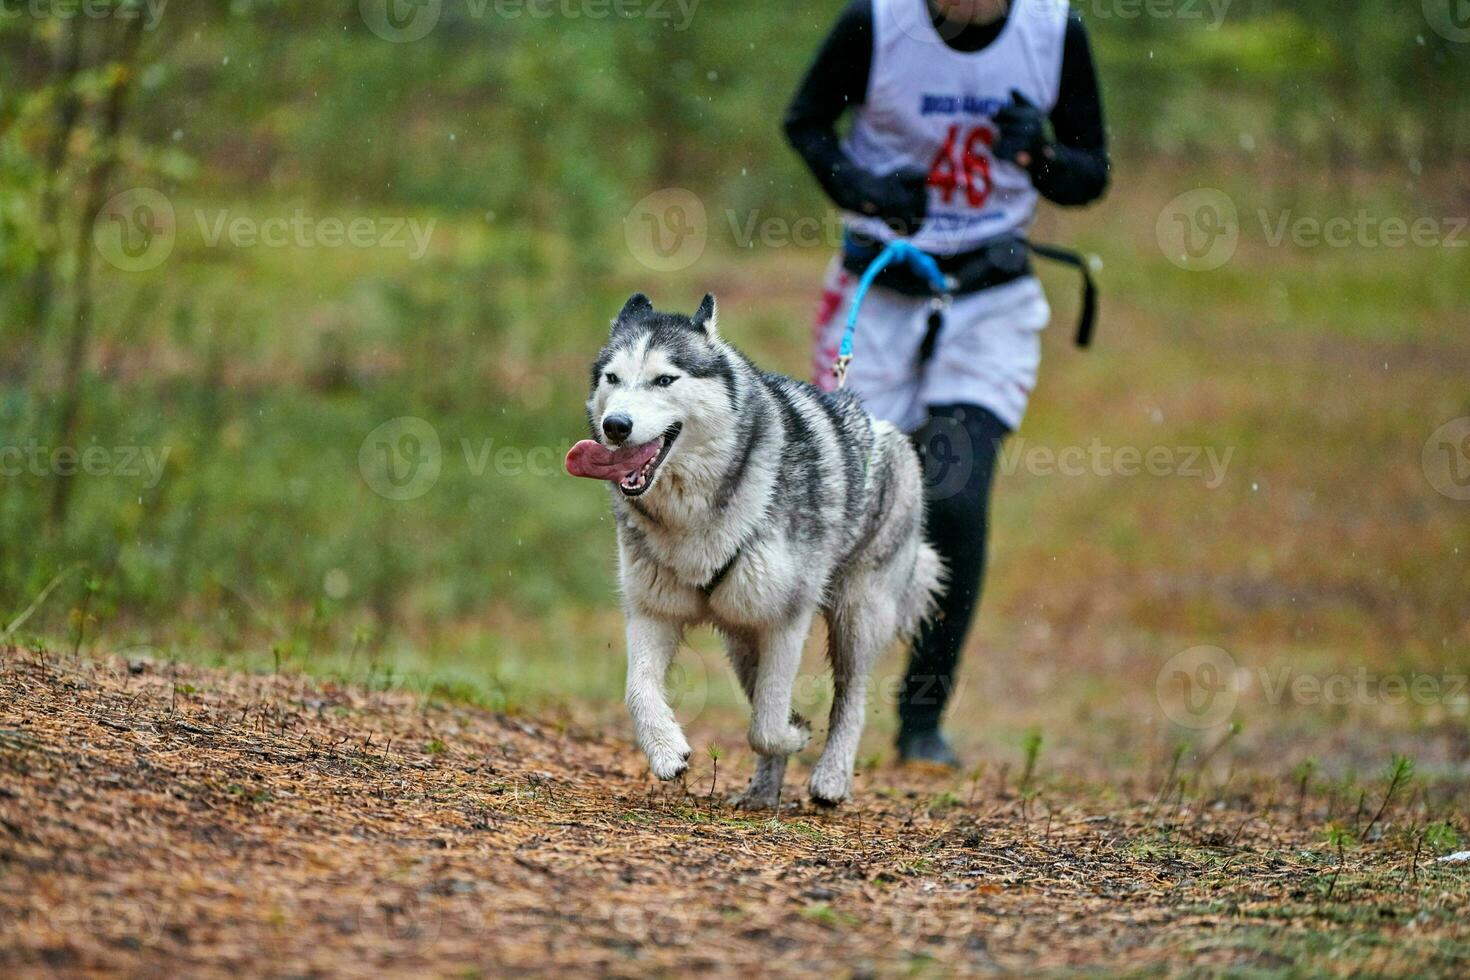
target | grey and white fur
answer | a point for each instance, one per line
(769, 502)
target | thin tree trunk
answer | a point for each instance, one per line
(68, 109)
(97, 181)
(667, 110)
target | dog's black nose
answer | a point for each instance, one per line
(617, 426)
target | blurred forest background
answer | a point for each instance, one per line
(253, 374)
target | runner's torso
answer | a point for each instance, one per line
(931, 107)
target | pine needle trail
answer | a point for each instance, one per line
(171, 819)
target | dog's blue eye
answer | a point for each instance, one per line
(612, 379)
(664, 380)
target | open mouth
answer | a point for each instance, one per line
(636, 481)
(632, 468)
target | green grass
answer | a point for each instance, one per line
(262, 371)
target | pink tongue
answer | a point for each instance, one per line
(594, 460)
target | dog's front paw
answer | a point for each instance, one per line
(782, 739)
(829, 786)
(668, 757)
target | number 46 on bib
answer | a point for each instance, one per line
(963, 163)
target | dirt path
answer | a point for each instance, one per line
(171, 819)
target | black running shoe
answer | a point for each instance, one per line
(928, 746)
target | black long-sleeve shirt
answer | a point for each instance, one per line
(1072, 170)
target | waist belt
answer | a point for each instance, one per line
(995, 263)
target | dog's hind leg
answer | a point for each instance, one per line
(652, 644)
(861, 625)
(764, 790)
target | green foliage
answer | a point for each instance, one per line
(255, 376)
(1339, 836)
(1441, 837)
(1031, 750)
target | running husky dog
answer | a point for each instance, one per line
(751, 502)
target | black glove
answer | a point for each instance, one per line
(1022, 136)
(900, 199)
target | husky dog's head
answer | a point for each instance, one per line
(658, 389)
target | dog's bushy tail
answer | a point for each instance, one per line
(925, 585)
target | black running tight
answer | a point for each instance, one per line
(959, 446)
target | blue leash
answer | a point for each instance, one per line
(898, 250)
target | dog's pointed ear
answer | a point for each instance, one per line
(706, 316)
(637, 305)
